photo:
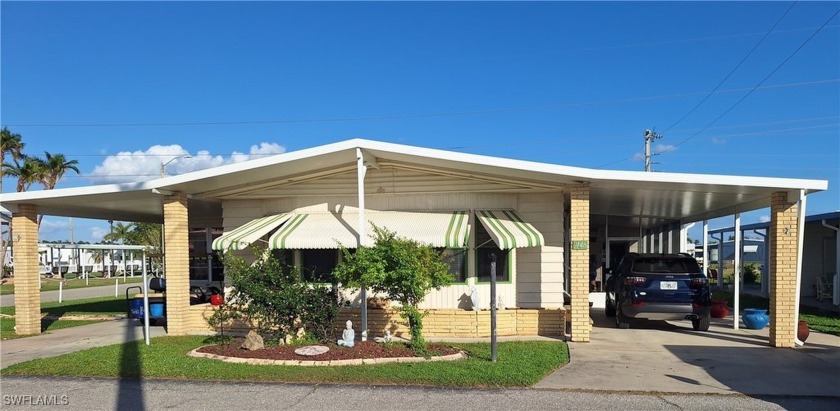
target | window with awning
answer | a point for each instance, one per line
(246, 234)
(508, 230)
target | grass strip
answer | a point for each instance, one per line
(98, 306)
(52, 284)
(520, 364)
(818, 320)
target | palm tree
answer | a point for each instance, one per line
(10, 143)
(120, 233)
(28, 172)
(55, 166)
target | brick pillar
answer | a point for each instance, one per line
(176, 253)
(580, 262)
(27, 292)
(784, 239)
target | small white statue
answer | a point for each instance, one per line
(364, 335)
(387, 336)
(348, 336)
(475, 300)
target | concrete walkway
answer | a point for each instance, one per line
(75, 293)
(72, 339)
(661, 356)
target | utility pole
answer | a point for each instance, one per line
(650, 136)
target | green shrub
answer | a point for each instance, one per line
(400, 268)
(274, 299)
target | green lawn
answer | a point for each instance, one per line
(818, 320)
(519, 364)
(52, 285)
(103, 306)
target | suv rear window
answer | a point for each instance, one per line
(666, 265)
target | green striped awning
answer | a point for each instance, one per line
(508, 230)
(246, 234)
(327, 230)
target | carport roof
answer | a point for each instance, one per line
(670, 196)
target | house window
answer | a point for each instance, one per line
(456, 258)
(485, 249)
(317, 265)
(285, 257)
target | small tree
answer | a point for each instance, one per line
(402, 269)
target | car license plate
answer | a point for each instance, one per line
(667, 285)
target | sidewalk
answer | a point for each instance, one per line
(662, 356)
(72, 339)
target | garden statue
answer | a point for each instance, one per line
(364, 335)
(348, 336)
(387, 336)
(476, 302)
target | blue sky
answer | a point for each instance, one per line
(122, 87)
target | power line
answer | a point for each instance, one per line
(737, 66)
(431, 115)
(757, 85)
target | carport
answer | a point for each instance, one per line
(595, 209)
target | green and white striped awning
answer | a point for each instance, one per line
(246, 234)
(328, 230)
(508, 230)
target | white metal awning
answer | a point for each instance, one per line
(508, 230)
(246, 234)
(329, 230)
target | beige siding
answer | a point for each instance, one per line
(540, 270)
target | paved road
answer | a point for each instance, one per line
(123, 395)
(73, 294)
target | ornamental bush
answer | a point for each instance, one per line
(275, 300)
(400, 268)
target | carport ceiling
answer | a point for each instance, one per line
(668, 196)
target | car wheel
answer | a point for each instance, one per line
(620, 319)
(609, 307)
(701, 323)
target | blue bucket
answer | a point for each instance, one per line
(136, 308)
(155, 310)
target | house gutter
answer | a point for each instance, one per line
(836, 291)
(801, 234)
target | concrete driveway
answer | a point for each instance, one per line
(662, 356)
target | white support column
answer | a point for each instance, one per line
(801, 227)
(706, 247)
(361, 170)
(737, 286)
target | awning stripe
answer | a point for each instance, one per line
(328, 230)
(249, 232)
(509, 230)
(278, 240)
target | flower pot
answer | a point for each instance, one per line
(720, 309)
(755, 318)
(802, 332)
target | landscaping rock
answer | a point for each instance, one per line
(253, 341)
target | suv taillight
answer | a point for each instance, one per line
(699, 282)
(635, 280)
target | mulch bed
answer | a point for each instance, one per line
(362, 349)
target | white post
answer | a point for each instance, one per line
(116, 287)
(132, 263)
(361, 169)
(60, 291)
(801, 211)
(737, 278)
(706, 247)
(145, 301)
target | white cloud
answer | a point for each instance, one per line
(664, 148)
(144, 165)
(98, 233)
(718, 140)
(49, 227)
(764, 219)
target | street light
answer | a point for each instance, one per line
(163, 165)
